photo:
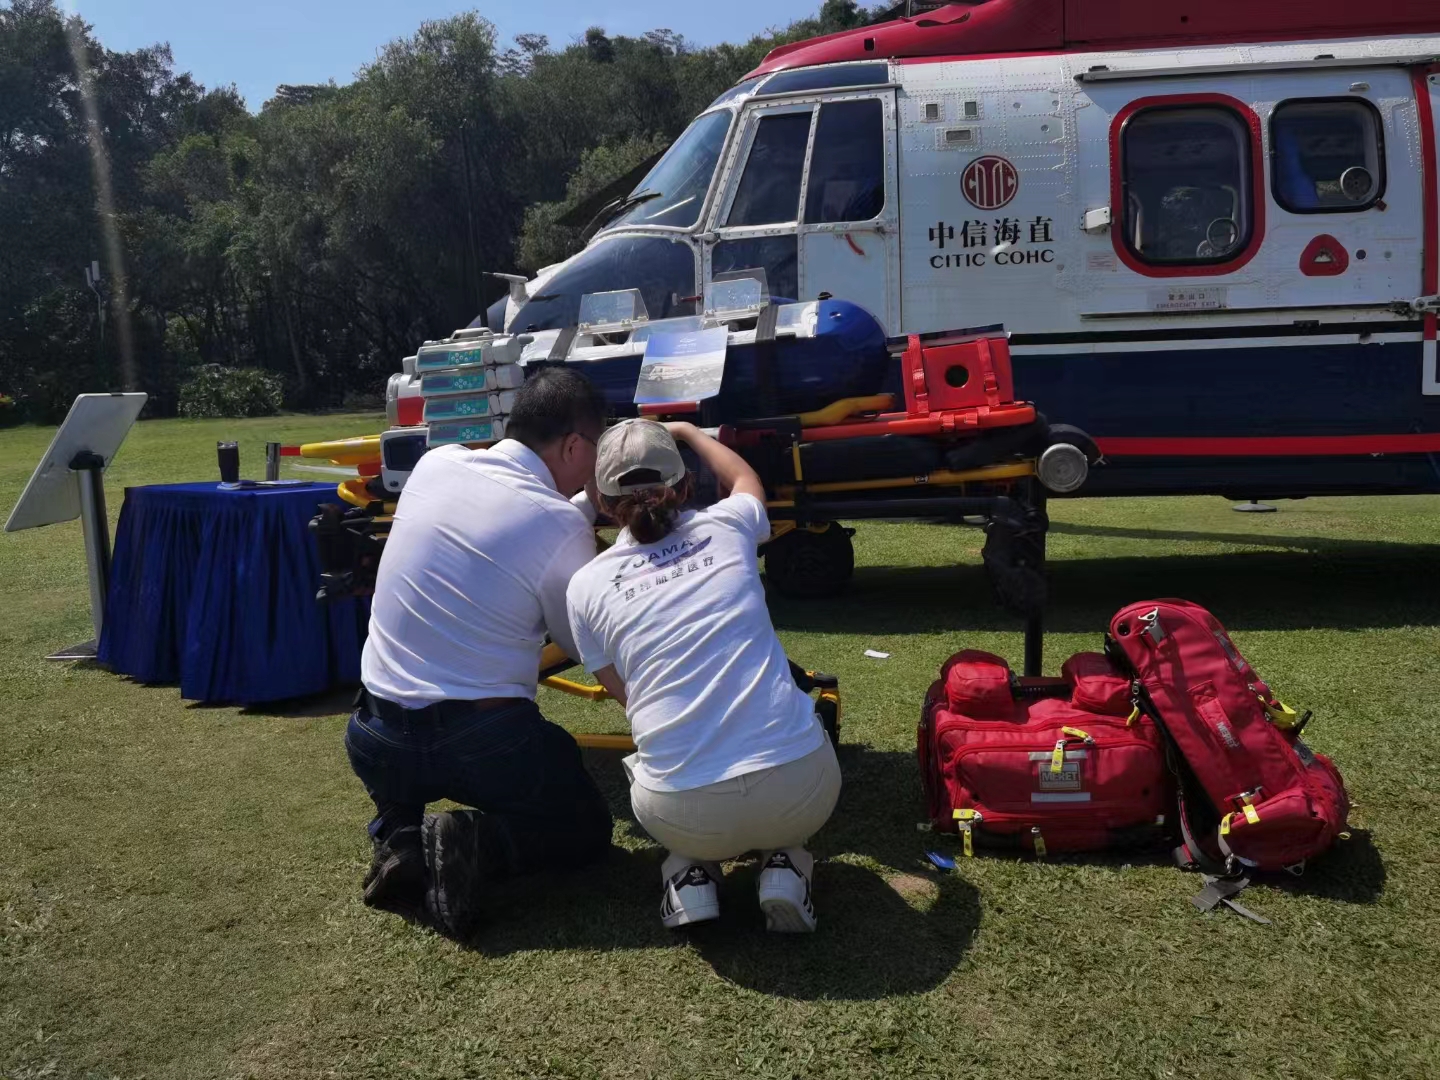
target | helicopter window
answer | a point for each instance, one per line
(673, 192)
(847, 166)
(835, 77)
(735, 91)
(663, 270)
(769, 191)
(1327, 156)
(776, 255)
(1187, 184)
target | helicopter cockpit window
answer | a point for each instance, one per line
(735, 91)
(769, 191)
(662, 270)
(673, 193)
(1328, 156)
(1187, 184)
(847, 166)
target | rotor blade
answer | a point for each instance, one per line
(585, 210)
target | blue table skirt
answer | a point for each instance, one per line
(215, 590)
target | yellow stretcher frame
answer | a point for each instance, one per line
(1017, 470)
(353, 451)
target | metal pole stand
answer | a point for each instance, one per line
(1035, 624)
(272, 461)
(1254, 506)
(89, 470)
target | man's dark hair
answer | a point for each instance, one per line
(554, 402)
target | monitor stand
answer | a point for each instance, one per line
(69, 482)
(89, 469)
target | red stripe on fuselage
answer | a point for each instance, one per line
(1270, 446)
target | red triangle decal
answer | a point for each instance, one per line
(1324, 257)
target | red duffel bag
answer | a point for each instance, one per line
(1252, 792)
(1042, 764)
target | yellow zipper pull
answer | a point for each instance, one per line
(968, 819)
(1057, 757)
(1251, 814)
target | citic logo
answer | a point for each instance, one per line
(989, 182)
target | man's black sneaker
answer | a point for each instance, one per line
(460, 853)
(395, 881)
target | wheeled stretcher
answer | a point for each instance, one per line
(947, 442)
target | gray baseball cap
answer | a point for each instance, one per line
(635, 455)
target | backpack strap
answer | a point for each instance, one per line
(1190, 854)
(1220, 890)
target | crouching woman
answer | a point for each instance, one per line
(730, 757)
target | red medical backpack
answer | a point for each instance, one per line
(1171, 726)
(1252, 792)
(1043, 764)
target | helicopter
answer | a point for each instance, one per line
(1200, 244)
(1210, 231)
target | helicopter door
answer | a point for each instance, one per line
(814, 203)
(755, 226)
(849, 236)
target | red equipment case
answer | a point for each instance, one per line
(1044, 764)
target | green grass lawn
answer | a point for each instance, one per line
(179, 885)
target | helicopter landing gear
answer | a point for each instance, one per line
(811, 561)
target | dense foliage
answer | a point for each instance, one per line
(213, 392)
(324, 236)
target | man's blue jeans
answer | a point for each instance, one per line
(523, 772)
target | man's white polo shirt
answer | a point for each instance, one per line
(474, 573)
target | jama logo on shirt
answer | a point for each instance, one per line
(661, 557)
(662, 565)
(659, 577)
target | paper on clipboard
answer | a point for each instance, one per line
(682, 367)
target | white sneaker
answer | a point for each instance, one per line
(691, 896)
(785, 896)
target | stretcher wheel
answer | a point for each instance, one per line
(811, 564)
(1014, 558)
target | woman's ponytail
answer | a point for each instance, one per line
(650, 514)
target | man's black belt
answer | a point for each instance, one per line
(437, 711)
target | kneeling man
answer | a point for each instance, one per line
(474, 574)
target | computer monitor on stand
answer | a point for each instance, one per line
(69, 482)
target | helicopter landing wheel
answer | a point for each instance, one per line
(809, 563)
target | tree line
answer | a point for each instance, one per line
(324, 236)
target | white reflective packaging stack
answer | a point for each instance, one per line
(469, 383)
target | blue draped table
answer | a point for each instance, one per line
(215, 590)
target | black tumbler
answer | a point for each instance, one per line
(229, 454)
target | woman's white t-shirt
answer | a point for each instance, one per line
(685, 624)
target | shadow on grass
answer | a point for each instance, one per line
(1351, 871)
(336, 701)
(1345, 586)
(897, 933)
(1279, 541)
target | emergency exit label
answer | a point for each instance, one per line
(1189, 298)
